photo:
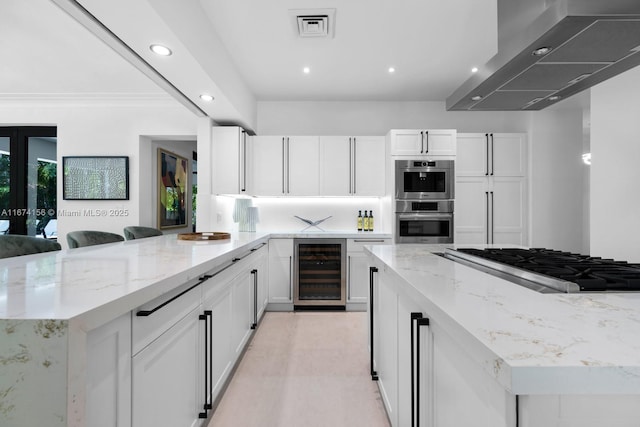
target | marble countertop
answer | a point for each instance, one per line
(98, 283)
(531, 343)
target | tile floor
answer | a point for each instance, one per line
(304, 369)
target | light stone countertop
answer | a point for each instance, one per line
(531, 343)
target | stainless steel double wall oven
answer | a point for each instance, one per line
(424, 193)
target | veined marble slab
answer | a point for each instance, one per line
(531, 343)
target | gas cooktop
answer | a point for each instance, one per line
(547, 270)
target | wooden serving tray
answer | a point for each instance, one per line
(207, 235)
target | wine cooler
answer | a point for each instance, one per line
(319, 274)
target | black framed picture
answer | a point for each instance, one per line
(95, 178)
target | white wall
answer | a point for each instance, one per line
(556, 186)
(377, 118)
(615, 174)
(102, 127)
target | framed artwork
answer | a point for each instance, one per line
(172, 189)
(95, 178)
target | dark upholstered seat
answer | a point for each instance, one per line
(15, 245)
(79, 239)
(138, 232)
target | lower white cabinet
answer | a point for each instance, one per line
(242, 299)
(167, 378)
(108, 378)
(280, 274)
(358, 271)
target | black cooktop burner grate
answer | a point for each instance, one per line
(589, 273)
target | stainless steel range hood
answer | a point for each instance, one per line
(589, 41)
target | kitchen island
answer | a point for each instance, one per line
(498, 354)
(78, 327)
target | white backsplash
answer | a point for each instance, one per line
(277, 213)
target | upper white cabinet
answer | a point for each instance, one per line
(285, 165)
(423, 142)
(491, 154)
(352, 166)
(229, 160)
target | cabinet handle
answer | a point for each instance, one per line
(288, 167)
(421, 142)
(350, 167)
(372, 270)
(492, 217)
(254, 272)
(244, 161)
(486, 195)
(368, 240)
(418, 320)
(290, 278)
(427, 134)
(145, 313)
(208, 362)
(355, 156)
(492, 155)
(486, 138)
(283, 165)
(349, 278)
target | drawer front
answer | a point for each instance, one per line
(145, 329)
(357, 245)
(280, 247)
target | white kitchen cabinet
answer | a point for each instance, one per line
(423, 142)
(167, 379)
(491, 191)
(491, 154)
(358, 272)
(108, 389)
(281, 274)
(352, 166)
(454, 389)
(229, 160)
(242, 310)
(285, 165)
(490, 210)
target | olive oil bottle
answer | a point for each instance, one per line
(365, 222)
(359, 220)
(370, 221)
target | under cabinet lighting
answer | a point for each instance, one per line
(161, 50)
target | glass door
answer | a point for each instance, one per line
(320, 273)
(28, 177)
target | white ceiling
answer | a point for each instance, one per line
(432, 45)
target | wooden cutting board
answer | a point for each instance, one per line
(206, 235)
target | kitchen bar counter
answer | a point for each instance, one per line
(531, 343)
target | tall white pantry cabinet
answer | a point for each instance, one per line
(491, 189)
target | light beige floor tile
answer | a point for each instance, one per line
(304, 369)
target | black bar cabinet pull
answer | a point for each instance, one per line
(145, 313)
(372, 270)
(486, 137)
(493, 159)
(419, 320)
(254, 272)
(427, 135)
(208, 374)
(486, 195)
(492, 217)
(421, 142)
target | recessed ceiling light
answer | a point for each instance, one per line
(206, 97)
(554, 98)
(476, 98)
(158, 49)
(392, 70)
(306, 70)
(474, 70)
(541, 51)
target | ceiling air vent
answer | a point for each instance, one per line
(314, 22)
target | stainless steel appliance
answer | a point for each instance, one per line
(319, 273)
(424, 221)
(549, 271)
(424, 179)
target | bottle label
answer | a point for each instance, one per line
(359, 223)
(366, 224)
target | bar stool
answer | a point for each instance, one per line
(81, 238)
(16, 245)
(133, 232)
